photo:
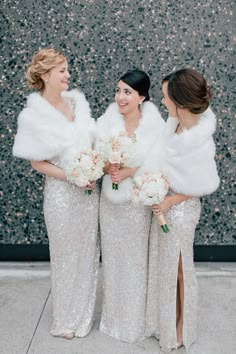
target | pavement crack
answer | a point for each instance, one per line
(45, 303)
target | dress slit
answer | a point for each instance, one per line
(164, 255)
(180, 257)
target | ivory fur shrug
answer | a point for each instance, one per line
(187, 159)
(148, 133)
(44, 133)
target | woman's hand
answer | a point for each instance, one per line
(168, 202)
(123, 173)
(110, 167)
(90, 186)
(163, 206)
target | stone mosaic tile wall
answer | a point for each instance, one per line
(102, 39)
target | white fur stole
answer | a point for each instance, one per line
(147, 134)
(44, 132)
(187, 159)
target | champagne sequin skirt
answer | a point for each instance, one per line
(124, 234)
(72, 220)
(164, 252)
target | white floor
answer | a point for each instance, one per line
(25, 315)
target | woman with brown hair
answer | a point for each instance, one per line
(188, 162)
(52, 129)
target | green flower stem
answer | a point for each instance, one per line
(115, 186)
(88, 191)
(165, 228)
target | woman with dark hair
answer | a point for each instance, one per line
(188, 162)
(125, 226)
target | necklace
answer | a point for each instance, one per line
(133, 137)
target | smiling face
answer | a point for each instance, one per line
(170, 105)
(127, 98)
(57, 78)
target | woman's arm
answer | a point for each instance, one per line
(169, 201)
(48, 169)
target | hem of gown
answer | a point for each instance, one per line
(152, 334)
(185, 345)
(77, 333)
(111, 334)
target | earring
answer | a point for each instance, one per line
(46, 81)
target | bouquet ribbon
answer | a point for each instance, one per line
(162, 222)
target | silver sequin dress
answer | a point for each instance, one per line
(124, 233)
(187, 159)
(165, 250)
(71, 216)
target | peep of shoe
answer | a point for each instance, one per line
(69, 336)
(179, 345)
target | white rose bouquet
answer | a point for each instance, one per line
(118, 150)
(149, 189)
(85, 168)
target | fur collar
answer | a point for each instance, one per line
(150, 119)
(36, 102)
(44, 133)
(188, 158)
(147, 134)
(192, 138)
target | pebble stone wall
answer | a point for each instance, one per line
(102, 39)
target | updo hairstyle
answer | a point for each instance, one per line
(42, 62)
(187, 88)
(139, 81)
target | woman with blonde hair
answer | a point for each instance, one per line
(55, 126)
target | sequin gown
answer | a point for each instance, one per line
(187, 159)
(45, 134)
(71, 218)
(125, 231)
(163, 267)
(124, 228)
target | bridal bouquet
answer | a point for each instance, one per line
(118, 150)
(85, 168)
(149, 189)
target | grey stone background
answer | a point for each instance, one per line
(102, 39)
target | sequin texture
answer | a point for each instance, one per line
(162, 279)
(71, 218)
(124, 233)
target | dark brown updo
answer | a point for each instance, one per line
(42, 62)
(187, 88)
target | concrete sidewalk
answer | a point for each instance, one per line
(25, 315)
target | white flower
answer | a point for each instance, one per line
(86, 167)
(81, 181)
(86, 162)
(115, 157)
(138, 181)
(118, 149)
(150, 188)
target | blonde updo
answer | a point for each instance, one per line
(42, 62)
